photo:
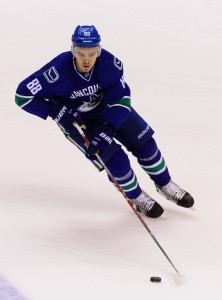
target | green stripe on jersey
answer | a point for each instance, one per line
(126, 101)
(22, 100)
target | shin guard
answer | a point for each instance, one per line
(151, 160)
(121, 170)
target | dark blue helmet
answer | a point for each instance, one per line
(86, 37)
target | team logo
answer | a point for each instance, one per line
(95, 100)
(51, 75)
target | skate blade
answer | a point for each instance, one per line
(164, 216)
(193, 208)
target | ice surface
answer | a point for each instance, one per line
(65, 233)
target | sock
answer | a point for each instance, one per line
(121, 170)
(151, 160)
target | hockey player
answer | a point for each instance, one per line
(86, 85)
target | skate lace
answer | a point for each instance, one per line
(144, 201)
(173, 190)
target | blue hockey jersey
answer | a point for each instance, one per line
(101, 92)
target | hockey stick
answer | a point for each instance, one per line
(178, 277)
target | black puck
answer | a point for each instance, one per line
(155, 279)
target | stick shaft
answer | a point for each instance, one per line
(127, 199)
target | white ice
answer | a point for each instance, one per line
(65, 232)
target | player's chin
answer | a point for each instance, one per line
(87, 68)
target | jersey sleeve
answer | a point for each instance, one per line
(117, 94)
(34, 94)
(119, 109)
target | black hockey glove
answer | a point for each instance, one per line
(103, 138)
(66, 116)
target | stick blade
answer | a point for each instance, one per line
(178, 279)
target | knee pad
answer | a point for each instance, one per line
(146, 150)
(119, 164)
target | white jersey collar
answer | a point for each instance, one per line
(85, 76)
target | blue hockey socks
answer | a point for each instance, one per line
(120, 168)
(151, 160)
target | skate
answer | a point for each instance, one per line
(148, 206)
(171, 191)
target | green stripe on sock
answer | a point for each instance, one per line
(129, 186)
(155, 169)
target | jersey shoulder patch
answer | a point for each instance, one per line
(117, 63)
(52, 70)
(51, 75)
(111, 61)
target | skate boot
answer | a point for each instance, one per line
(171, 191)
(145, 204)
